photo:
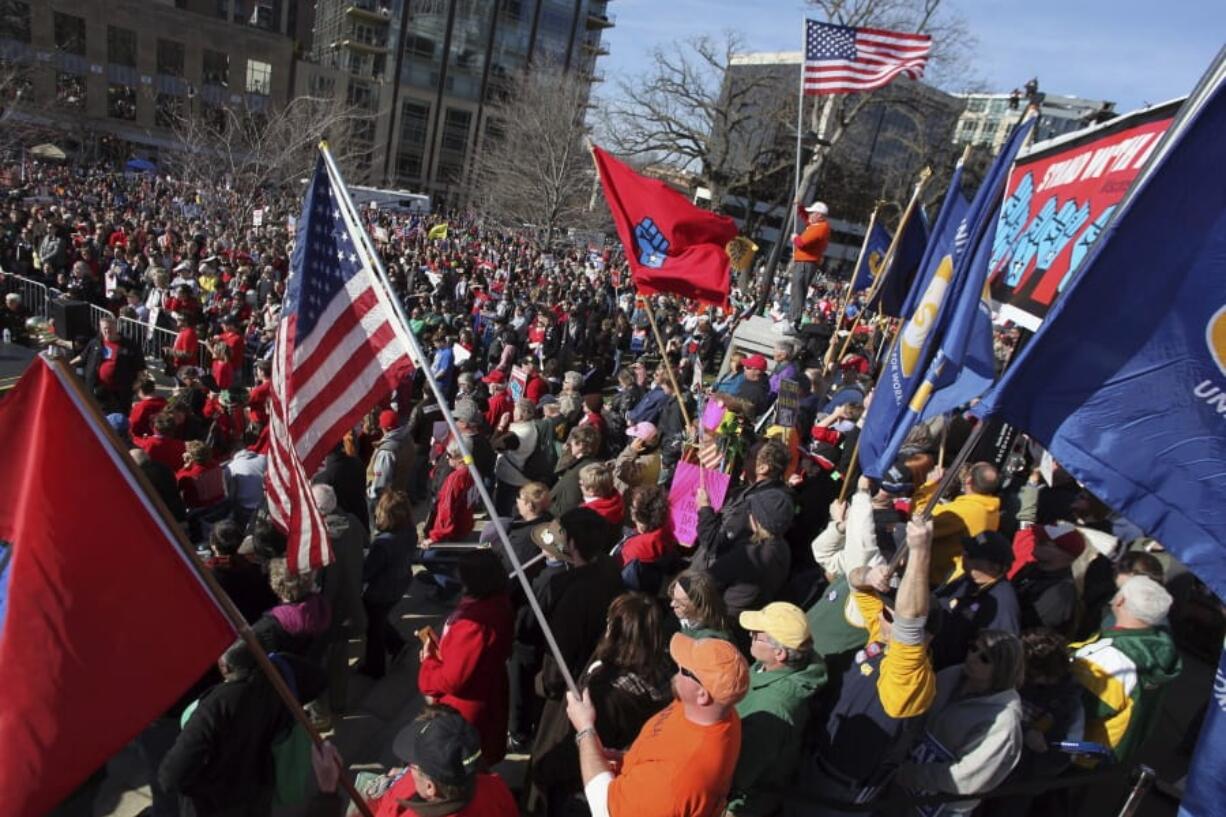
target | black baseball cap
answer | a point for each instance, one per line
(989, 546)
(443, 745)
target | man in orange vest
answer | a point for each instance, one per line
(808, 249)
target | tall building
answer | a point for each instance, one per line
(425, 70)
(988, 118)
(429, 68)
(110, 74)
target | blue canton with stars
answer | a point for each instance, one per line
(826, 42)
(324, 256)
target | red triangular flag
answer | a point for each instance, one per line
(671, 245)
(103, 624)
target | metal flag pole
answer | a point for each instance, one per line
(349, 213)
(800, 117)
(144, 490)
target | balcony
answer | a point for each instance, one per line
(362, 46)
(370, 10)
(597, 48)
(592, 76)
(600, 19)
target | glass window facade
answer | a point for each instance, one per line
(69, 33)
(15, 21)
(454, 145)
(170, 58)
(423, 57)
(553, 31)
(259, 77)
(469, 36)
(216, 68)
(121, 102)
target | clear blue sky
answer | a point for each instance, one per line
(1128, 51)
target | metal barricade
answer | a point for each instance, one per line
(34, 296)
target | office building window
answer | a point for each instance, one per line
(170, 58)
(15, 21)
(455, 143)
(70, 91)
(414, 118)
(420, 47)
(259, 77)
(121, 102)
(69, 33)
(362, 95)
(121, 46)
(216, 68)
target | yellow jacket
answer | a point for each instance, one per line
(967, 515)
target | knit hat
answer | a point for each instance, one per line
(755, 362)
(989, 546)
(444, 746)
(774, 511)
(714, 663)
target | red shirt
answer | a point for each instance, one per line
(140, 419)
(492, 798)
(166, 450)
(453, 518)
(186, 346)
(106, 370)
(500, 404)
(257, 402)
(536, 388)
(235, 343)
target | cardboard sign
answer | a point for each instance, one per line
(381, 234)
(683, 502)
(787, 405)
(519, 381)
(257, 218)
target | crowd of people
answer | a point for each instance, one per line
(813, 646)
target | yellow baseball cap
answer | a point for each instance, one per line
(783, 622)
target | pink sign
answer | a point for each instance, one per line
(712, 415)
(683, 504)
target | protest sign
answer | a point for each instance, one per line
(1060, 195)
(683, 502)
(519, 380)
(713, 415)
(381, 234)
(257, 217)
(787, 405)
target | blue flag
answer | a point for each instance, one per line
(953, 208)
(875, 248)
(953, 288)
(1206, 789)
(903, 270)
(1125, 382)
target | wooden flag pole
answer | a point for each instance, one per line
(841, 304)
(924, 176)
(157, 509)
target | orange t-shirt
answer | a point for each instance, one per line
(677, 768)
(810, 245)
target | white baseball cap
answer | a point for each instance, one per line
(818, 207)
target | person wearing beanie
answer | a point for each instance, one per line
(683, 759)
(1124, 669)
(392, 462)
(775, 711)
(752, 572)
(755, 388)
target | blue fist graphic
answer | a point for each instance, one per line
(653, 246)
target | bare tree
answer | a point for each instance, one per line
(533, 166)
(259, 149)
(733, 130)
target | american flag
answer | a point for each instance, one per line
(339, 350)
(842, 60)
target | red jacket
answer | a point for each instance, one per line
(201, 485)
(257, 402)
(453, 518)
(536, 388)
(646, 547)
(470, 673)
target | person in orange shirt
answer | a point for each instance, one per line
(681, 763)
(808, 250)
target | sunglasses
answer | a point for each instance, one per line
(691, 676)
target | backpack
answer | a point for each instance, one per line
(543, 461)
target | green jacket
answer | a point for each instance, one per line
(773, 717)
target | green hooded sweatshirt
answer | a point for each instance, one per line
(773, 716)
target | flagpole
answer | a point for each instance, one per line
(376, 264)
(842, 304)
(158, 510)
(924, 176)
(800, 114)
